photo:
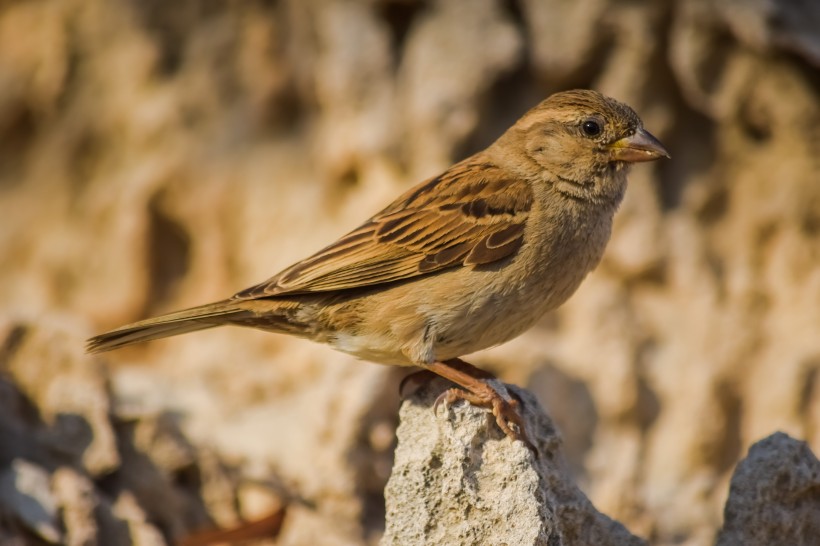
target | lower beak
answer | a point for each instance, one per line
(641, 146)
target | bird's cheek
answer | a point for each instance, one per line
(550, 154)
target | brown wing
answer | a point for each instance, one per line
(472, 214)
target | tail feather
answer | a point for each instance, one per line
(172, 324)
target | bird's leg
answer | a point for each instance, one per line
(478, 390)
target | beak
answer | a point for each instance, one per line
(641, 146)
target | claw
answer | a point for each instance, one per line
(506, 412)
(448, 397)
(477, 389)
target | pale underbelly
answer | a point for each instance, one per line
(435, 332)
(418, 323)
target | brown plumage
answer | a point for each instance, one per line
(464, 261)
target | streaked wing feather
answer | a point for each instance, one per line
(473, 214)
(498, 245)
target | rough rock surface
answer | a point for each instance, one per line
(774, 496)
(155, 155)
(458, 480)
(71, 472)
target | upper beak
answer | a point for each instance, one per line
(641, 146)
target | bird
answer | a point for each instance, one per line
(465, 260)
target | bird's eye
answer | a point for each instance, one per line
(591, 128)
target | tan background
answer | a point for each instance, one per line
(155, 155)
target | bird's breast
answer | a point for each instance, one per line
(465, 309)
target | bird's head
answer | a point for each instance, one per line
(582, 141)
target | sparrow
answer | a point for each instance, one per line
(466, 260)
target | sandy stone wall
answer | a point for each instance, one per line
(155, 155)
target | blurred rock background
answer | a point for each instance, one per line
(155, 155)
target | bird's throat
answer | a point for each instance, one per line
(605, 190)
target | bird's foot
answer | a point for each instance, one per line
(477, 389)
(506, 412)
